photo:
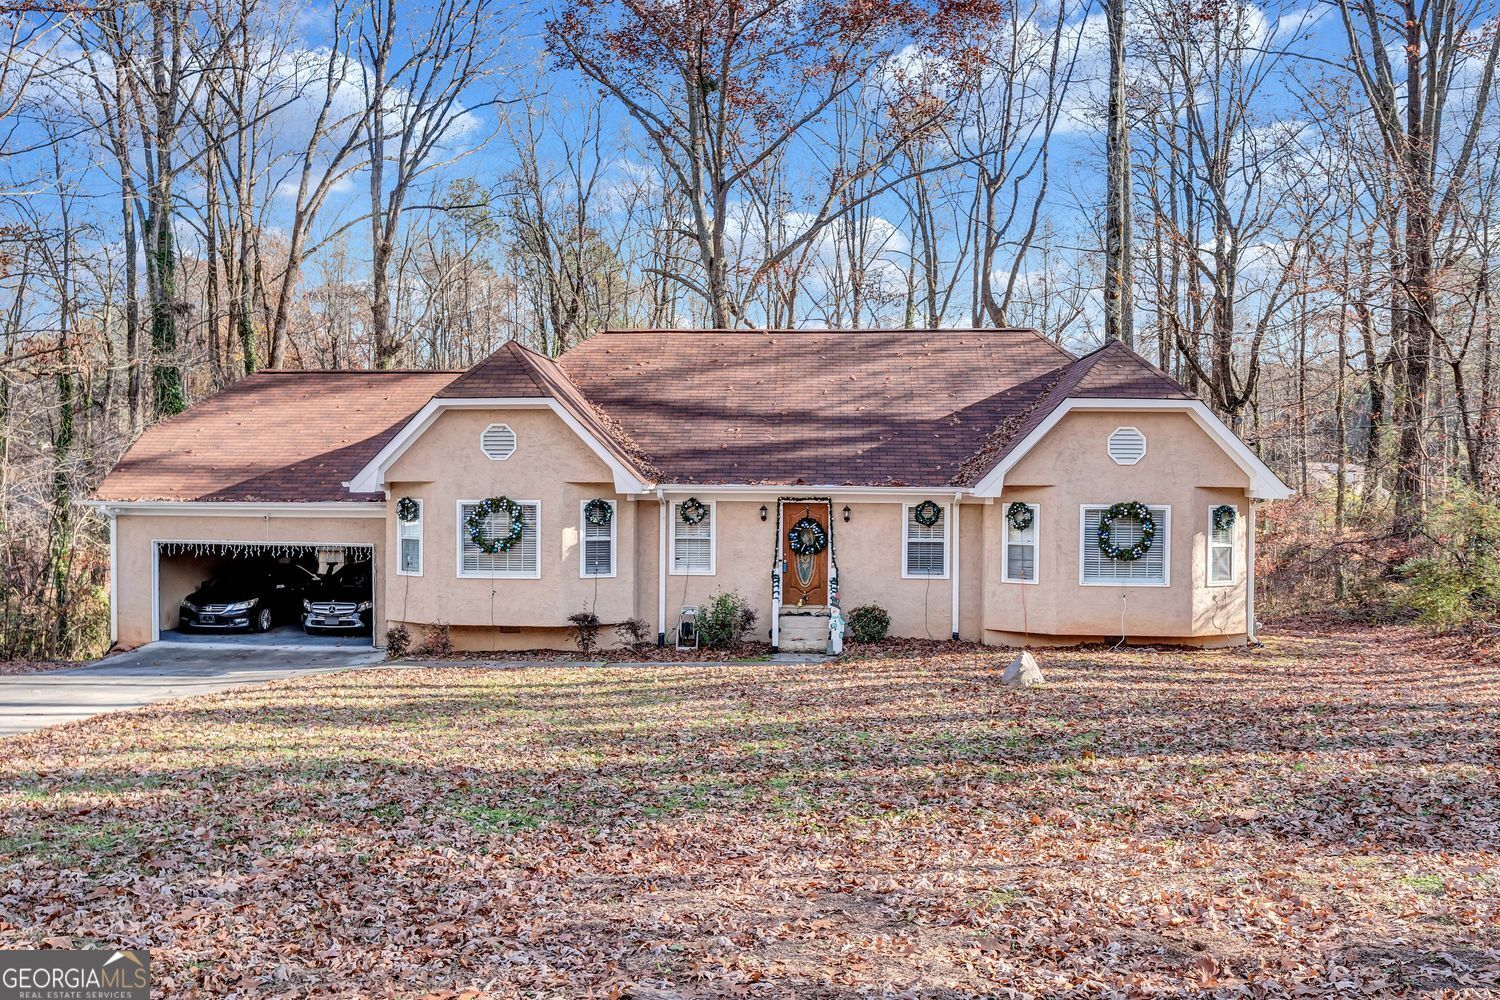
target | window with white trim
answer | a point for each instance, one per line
(1020, 548)
(409, 544)
(1148, 571)
(1221, 550)
(692, 544)
(520, 560)
(924, 548)
(598, 556)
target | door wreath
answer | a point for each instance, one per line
(807, 537)
(1132, 509)
(477, 525)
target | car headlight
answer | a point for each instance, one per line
(239, 606)
(306, 604)
(366, 605)
(190, 605)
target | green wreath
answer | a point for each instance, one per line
(598, 512)
(1224, 517)
(927, 513)
(1133, 509)
(807, 537)
(692, 511)
(1020, 515)
(477, 524)
(407, 510)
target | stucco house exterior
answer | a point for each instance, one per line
(958, 478)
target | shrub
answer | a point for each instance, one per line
(633, 632)
(869, 623)
(1458, 581)
(437, 640)
(724, 620)
(583, 629)
(397, 640)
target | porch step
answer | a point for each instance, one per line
(803, 630)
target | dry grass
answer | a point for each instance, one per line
(1317, 818)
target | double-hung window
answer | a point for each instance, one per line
(924, 547)
(1020, 548)
(1221, 551)
(521, 560)
(1148, 571)
(598, 555)
(409, 544)
(692, 544)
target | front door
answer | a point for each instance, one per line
(806, 578)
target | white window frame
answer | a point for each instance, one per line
(1233, 547)
(1163, 536)
(674, 515)
(460, 534)
(1126, 427)
(906, 509)
(583, 541)
(421, 523)
(1036, 545)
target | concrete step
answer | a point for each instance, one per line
(803, 630)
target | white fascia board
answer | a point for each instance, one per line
(371, 479)
(239, 508)
(731, 491)
(1264, 484)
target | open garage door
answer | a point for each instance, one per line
(264, 593)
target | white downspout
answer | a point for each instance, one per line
(776, 581)
(1250, 574)
(114, 581)
(661, 569)
(955, 523)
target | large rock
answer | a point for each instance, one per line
(1023, 671)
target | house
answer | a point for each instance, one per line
(962, 479)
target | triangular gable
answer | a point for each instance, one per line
(515, 377)
(1114, 378)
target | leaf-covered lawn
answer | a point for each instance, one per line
(1320, 817)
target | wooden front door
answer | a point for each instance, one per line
(805, 582)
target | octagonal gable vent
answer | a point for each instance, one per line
(1127, 446)
(498, 442)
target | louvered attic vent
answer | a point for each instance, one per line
(1127, 446)
(498, 442)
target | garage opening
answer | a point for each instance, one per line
(265, 593)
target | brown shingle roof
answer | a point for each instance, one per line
(275, 436)
(930, 408)
(813, 407)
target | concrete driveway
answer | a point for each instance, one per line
(157, 672)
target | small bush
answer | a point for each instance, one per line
(437, 640)
(633, 632)
(583, 629)
(397, 640)
(724, 620)
(869, 623)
